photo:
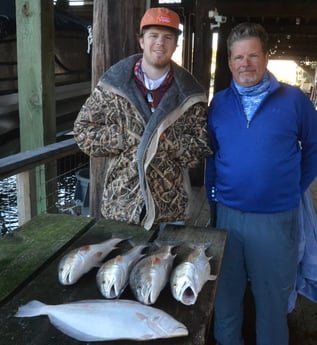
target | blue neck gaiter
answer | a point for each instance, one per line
(252, 96)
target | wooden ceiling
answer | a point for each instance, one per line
(292, 25)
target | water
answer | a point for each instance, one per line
(66, 203)
(8, 205)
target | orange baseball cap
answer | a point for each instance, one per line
(160, 16)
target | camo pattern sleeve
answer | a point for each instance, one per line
(107, 124)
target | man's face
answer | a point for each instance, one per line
(158, 46)
(247, 62)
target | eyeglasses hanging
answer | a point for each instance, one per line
(150, 100)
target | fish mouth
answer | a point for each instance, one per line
(188, 296)
(148, 300)
(64, 277)
(112, 293)
(108, 287)
(149, 297)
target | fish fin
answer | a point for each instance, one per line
(121, 236)
(132, 242)
(71, 331)
(207, 245)
(170, 243)
(202, 246)
(32, 308)
(139, 244)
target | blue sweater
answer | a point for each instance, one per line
(264, 165)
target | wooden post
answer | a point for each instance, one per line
(201, 67)
(36, 91)
(222, 72)
(115, 25)
(202, 44)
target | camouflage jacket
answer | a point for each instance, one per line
(149, 153)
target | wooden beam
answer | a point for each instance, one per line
(266, 9)
(35, 35)
(202, 44)
(36, 95)
(20, 162)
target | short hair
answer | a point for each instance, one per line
(248, 30)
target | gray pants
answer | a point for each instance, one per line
(261, 248)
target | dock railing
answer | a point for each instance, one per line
(33, 195)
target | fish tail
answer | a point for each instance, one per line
(132, 241)
(212, 277)
(121, 236)
(33, 308)
(203, 246)
(135, 243)
(170, 243)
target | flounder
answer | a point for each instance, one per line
(98, 320)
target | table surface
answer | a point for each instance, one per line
(45, 287)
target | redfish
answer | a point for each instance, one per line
(113, 275)
(188, 278)
(150, 275)
(81, 260)
(98, 320)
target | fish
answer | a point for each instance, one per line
(79, 261)
(150, 275)
(113, 275)
(102, 319)
(189, 277)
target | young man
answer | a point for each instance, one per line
(263, 134)
(149, 117)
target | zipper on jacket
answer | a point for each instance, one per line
(243, 111)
